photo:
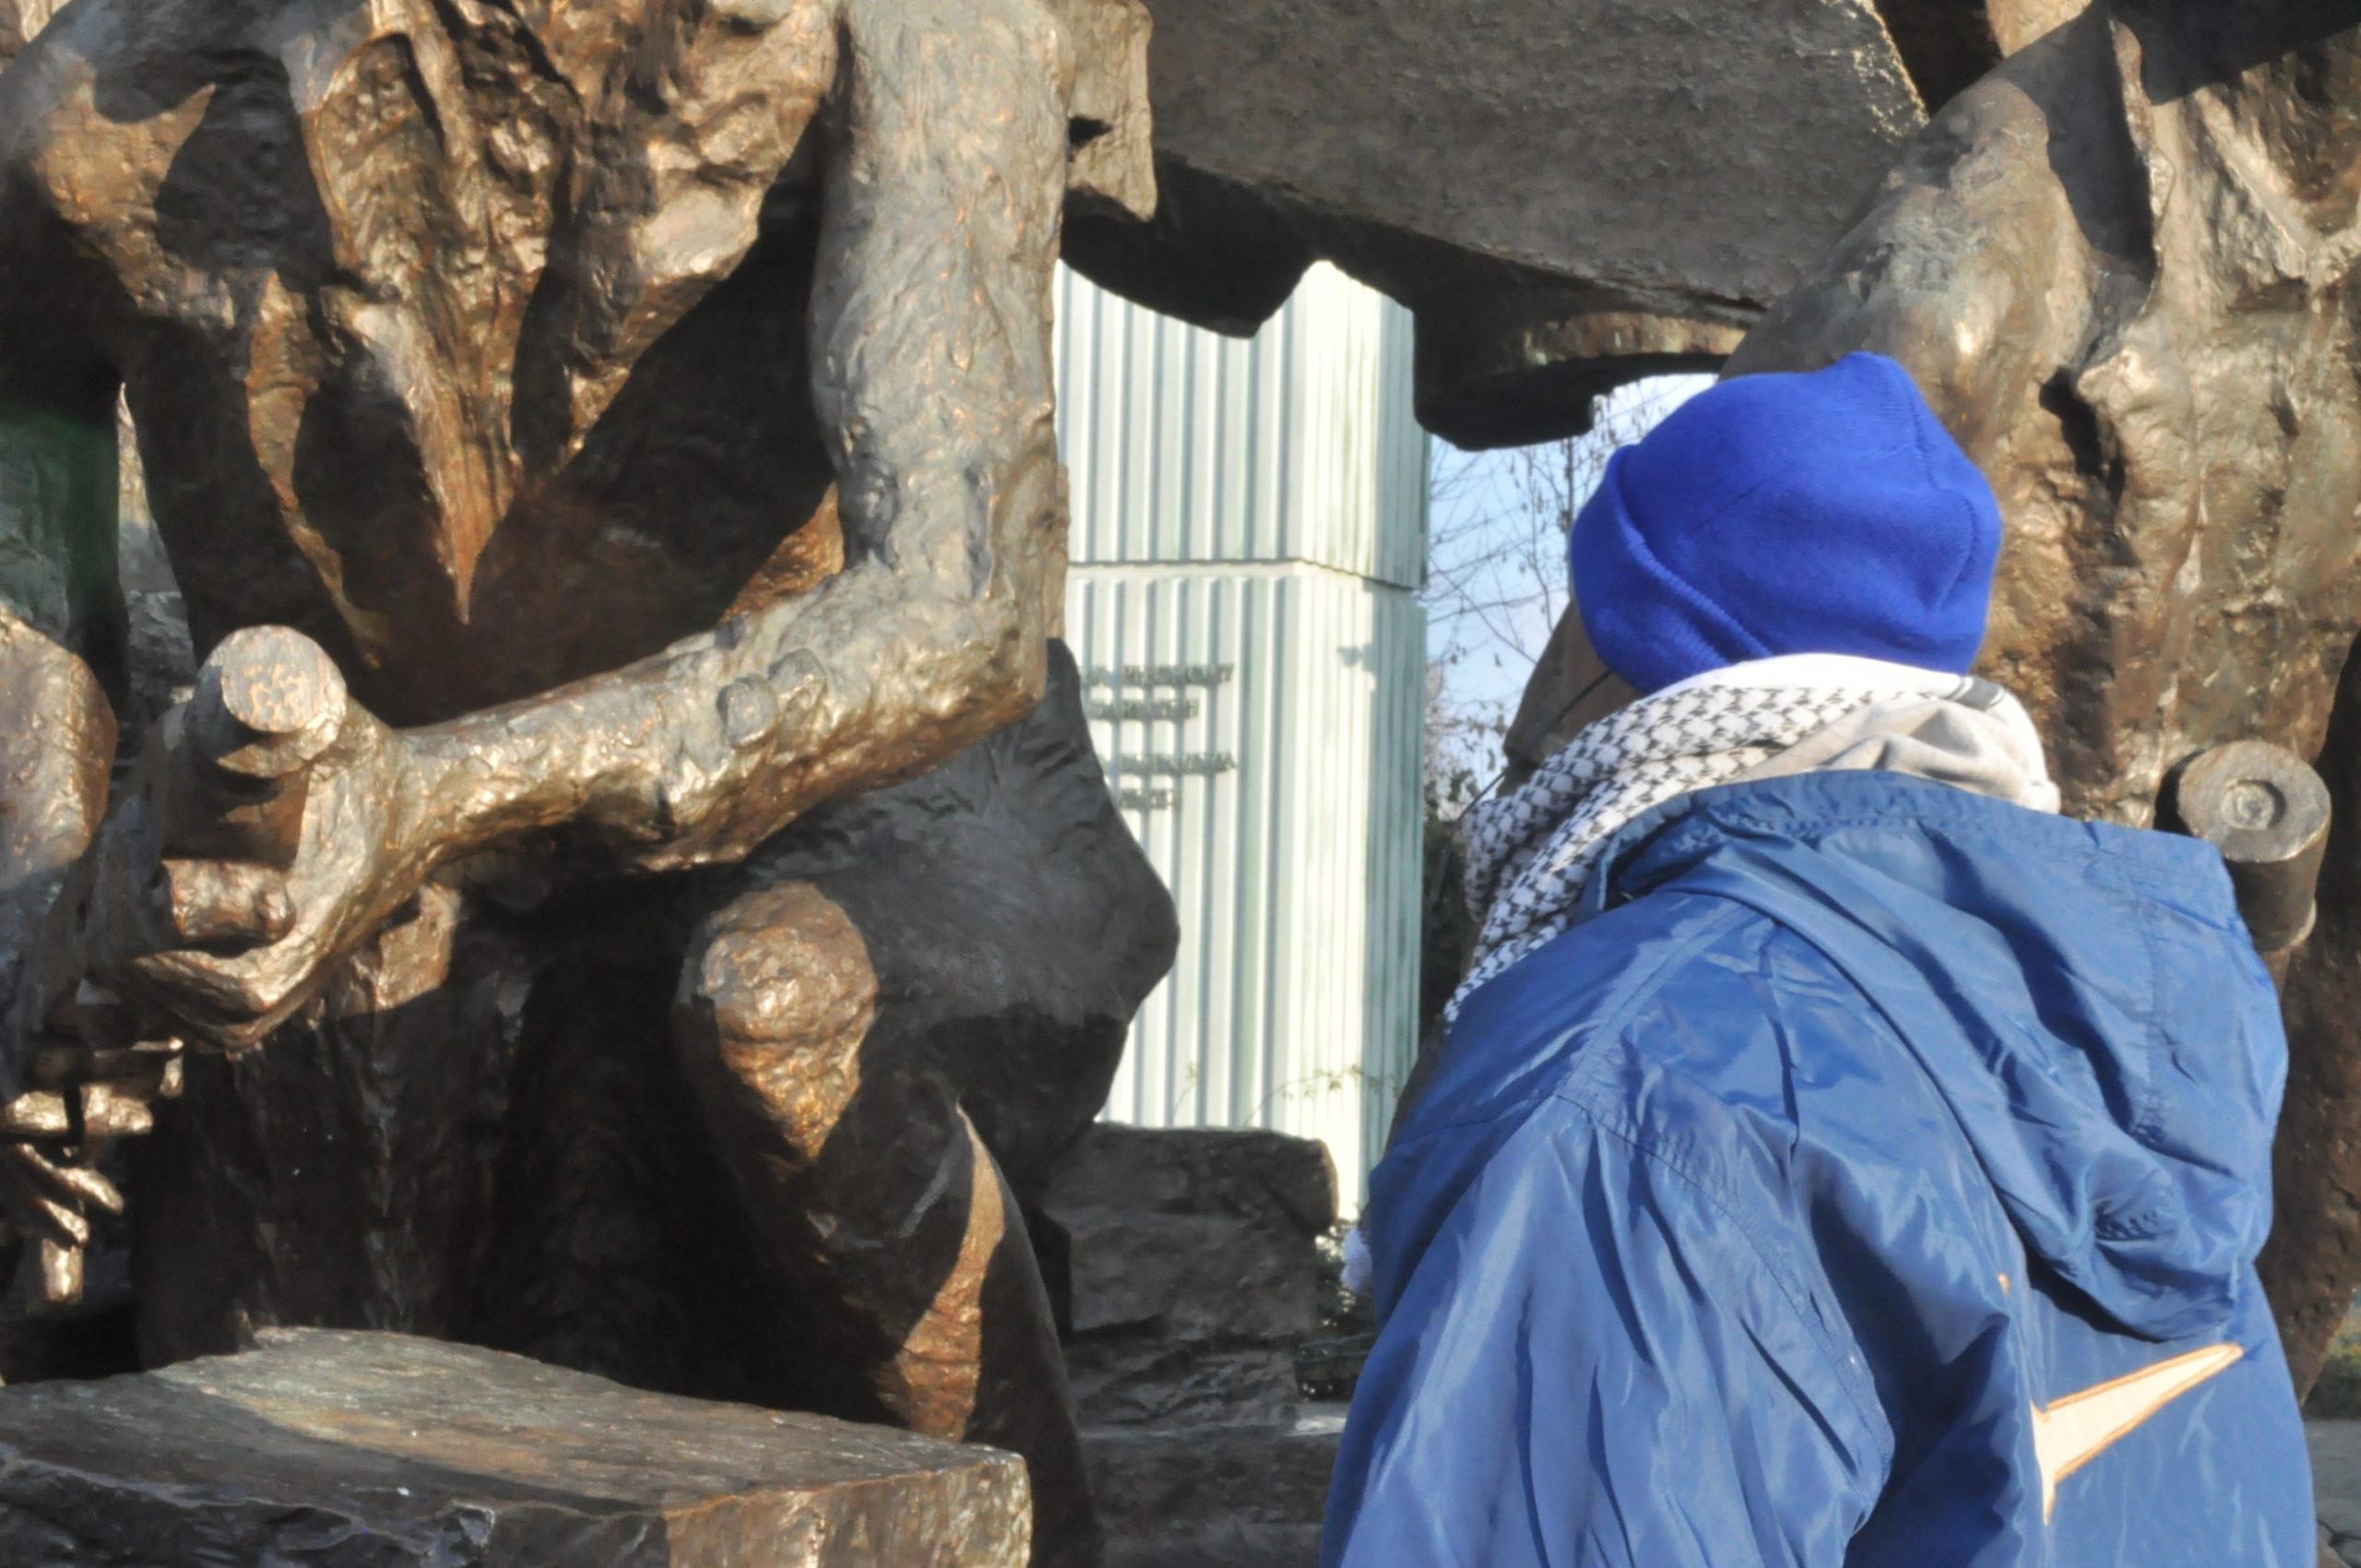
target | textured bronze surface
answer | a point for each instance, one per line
(706, 923)
(598, 1131)
(608, 453)
(375, 1451)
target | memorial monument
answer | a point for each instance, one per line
(631, 886)
(2124, 267)
(2119, 258)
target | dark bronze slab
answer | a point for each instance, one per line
(347, 1450)
(1567, 194)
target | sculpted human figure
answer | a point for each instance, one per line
(2122, 268)
(647, 409)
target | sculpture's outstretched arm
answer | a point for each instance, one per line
(932, 367)
(947, 151)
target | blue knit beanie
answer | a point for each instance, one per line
(1827, 513)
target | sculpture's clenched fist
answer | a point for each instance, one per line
(270, 832)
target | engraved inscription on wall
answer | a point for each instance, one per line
(1144, 781)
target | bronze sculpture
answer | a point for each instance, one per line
(2162, 368)
(647, 410)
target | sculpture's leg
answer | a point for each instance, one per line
(876, 1197)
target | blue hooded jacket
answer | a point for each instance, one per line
(1871, 1178)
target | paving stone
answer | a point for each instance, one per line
(2336, 1475)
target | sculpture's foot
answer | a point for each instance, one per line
(877, 1198)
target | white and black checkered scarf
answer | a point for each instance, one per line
(1531, 853)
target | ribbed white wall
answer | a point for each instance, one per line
(1293, 1002)
(1249, 530)
(1297, 445)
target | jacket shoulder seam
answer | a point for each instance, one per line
(1610, 1028)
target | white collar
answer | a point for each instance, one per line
(1819, 670)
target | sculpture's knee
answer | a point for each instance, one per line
(773, 1001)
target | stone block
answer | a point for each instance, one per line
(1133, 1380)
(1189, 1275)
(1567, 195)
(1188, 1262)
(1715, 151)
(1241, 1173)
(342, 1450)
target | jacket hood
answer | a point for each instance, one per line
(2084, 997)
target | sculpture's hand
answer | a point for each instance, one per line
(270, 833)
(50, 1136)
(57, 742)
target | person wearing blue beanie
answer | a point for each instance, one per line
(1827, 513)
(1835, 1157)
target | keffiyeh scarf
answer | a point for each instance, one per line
(1530, 854)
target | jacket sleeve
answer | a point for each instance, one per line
(1590, 1360)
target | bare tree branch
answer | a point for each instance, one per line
(1497, 579)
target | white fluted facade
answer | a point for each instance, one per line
(1249, 537)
